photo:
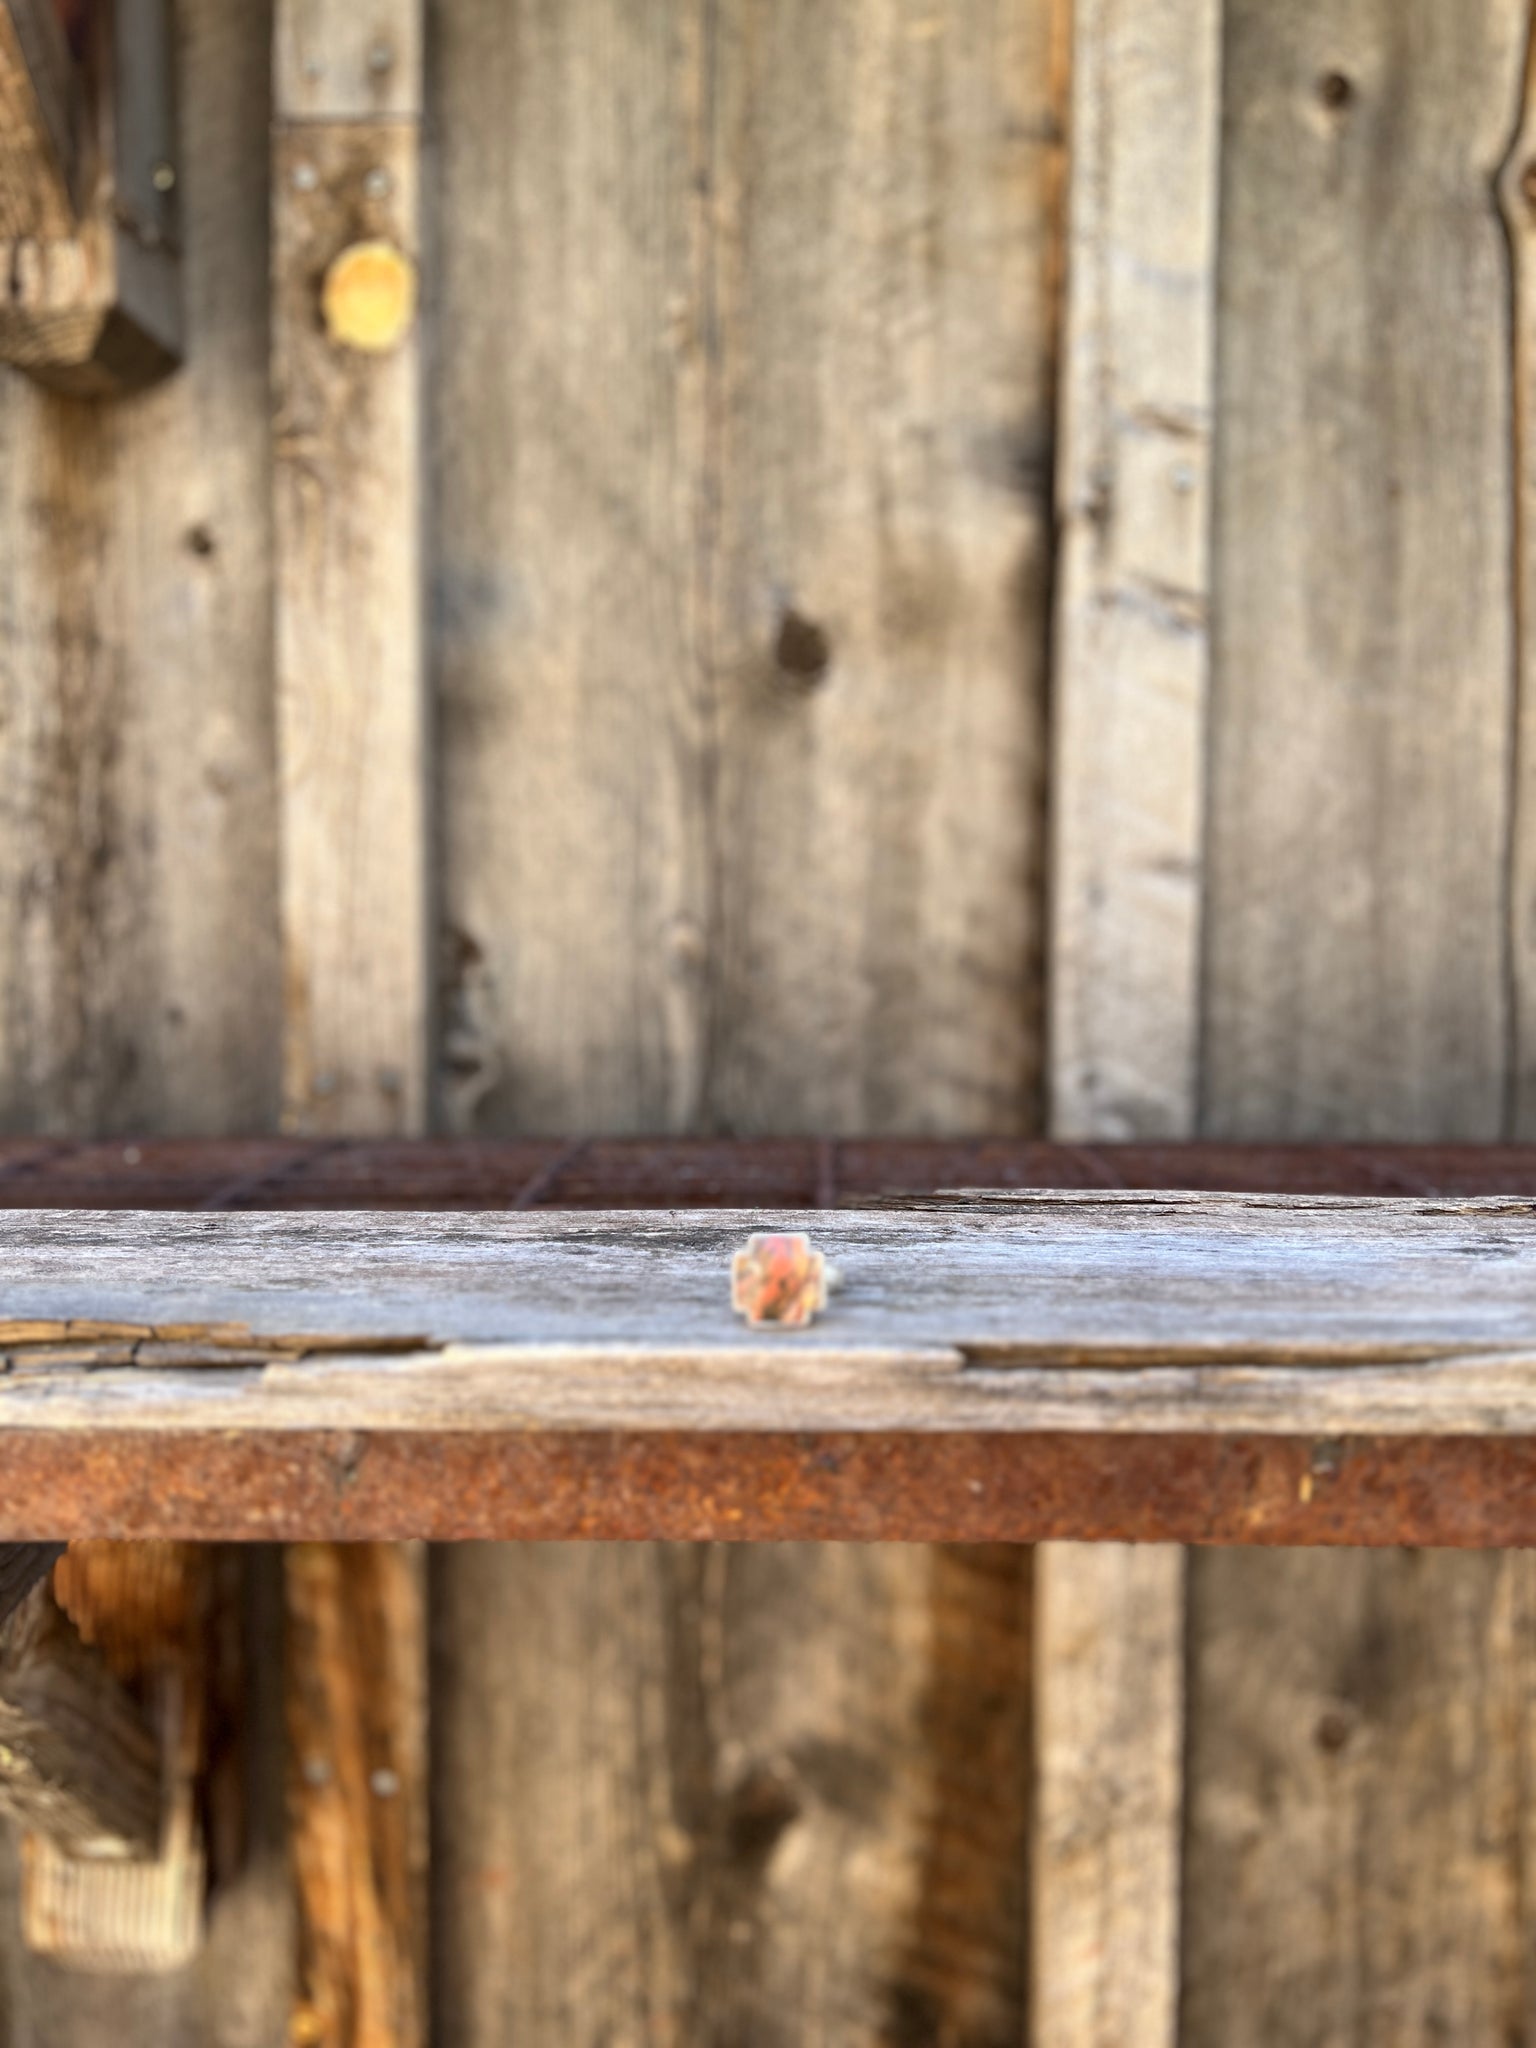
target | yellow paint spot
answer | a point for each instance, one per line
(369, 297)
(1304, 1488)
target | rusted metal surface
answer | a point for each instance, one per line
(955, 1487)
(960, 1488)
(562, 1173)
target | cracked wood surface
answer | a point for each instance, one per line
(1098, 1311)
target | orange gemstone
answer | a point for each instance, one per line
(778, 1278)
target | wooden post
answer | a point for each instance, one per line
(353, 772)
(1133, 657)
(144, 1610)
(351, 723)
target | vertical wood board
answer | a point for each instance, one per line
(139, 981)
(739, 459)
(353, 730)
(1133, 571)
(139, 984)
(351, 712)
(1355, 1849)
(1132, 651)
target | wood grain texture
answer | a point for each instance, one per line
(739, 605)
(335, 63)
(351, 712)
(38, 124)
(1363, 550)
(356, 879)
(1132, 656)
(78, 1760)
(567, 478)
(1359, 1824)
(875, 319)
(1133, 570)
(237, 1995)
(766, 1852)
(1517, 201)
(139, 980)
(356, 1750)
(1110, 1792)
(1053, 1279)
(1356, 1759)
(805, 401)
(138, 931)
(21, 1566)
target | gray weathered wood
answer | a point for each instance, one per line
(1354, 1859)
(356, 878)
(1360, 779)
(1046, 1312)
(1133, 599)
(139, 982)
(139, 976)
(740, 609)
(351, 706)
(1133, 571)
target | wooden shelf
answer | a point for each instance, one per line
(1252, 1366)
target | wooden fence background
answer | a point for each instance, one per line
(976, 579)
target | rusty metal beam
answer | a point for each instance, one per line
(1464, 1492)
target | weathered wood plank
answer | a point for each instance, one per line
(1133, 589)
(1110, 1791)
(1133, 569)
(1359, 1803)
(759, 1760)
(338, 63)
(566, 486)
(356, 875)
(1517, 199)
(1064, 1276)
(139, 981)
(1363, 550)
(877, 314)
(356, 1750)
(39, 117)
(351, 711)
(1362, 949)
(740, 605)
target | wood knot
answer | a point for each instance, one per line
(762, 1804)
(802, 651)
